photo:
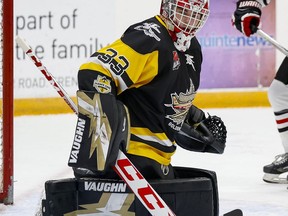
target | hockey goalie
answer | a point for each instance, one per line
(136, 96)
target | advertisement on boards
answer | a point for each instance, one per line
(63, 34)
(232, 60)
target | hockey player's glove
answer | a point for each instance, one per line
(246, 17)
(209, 136)
(195, 115)
(218, 129)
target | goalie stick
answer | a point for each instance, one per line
(124, 167)
(272, 41)
(236, 212)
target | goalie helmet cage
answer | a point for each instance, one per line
(6, 102)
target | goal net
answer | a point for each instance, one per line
(6, 102)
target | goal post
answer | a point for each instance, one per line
(6, 102)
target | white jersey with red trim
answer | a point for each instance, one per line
(264, 2)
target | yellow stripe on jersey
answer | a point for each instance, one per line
(146, 150)
(95, 67)
(142, 68)
(150, 70)
(146, 134)
(141, 149)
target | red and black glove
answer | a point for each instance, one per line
(246, 17)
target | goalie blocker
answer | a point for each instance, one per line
(99, 135)
(194, 192)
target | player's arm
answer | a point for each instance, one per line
(109, 72)
(246, 17)
(103, 121)
(202, 134)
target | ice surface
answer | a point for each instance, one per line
(42, 147)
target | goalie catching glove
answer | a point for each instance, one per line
(208, 136)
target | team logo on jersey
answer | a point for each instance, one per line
(180, 103)
(149, 29)
(102, 84)
(189, 61)
(176, 61)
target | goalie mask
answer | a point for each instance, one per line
(183, 19)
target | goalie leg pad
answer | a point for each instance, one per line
(102, 129)
(193, 193)
(187, 173)
(61, 197)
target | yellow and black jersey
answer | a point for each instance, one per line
(157, 83)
